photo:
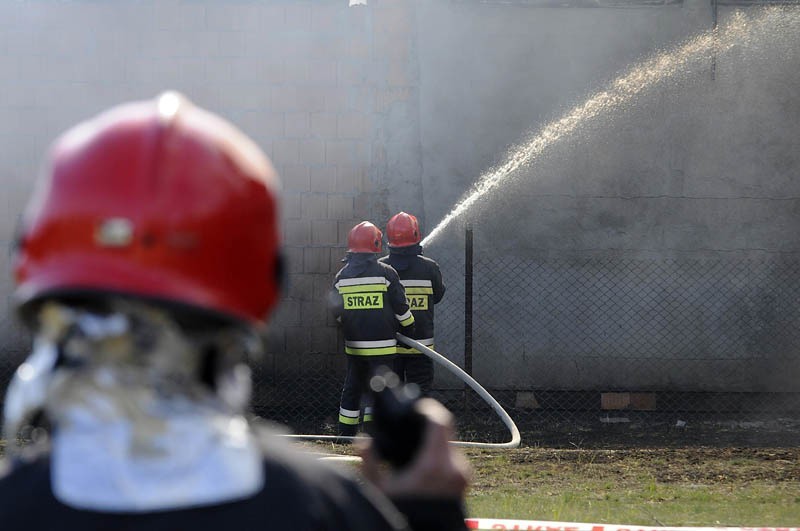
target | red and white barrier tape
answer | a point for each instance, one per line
(538, 525)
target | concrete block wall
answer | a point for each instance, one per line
(312, 81)
(402, 104)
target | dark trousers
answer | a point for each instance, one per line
(356, 404)
(415, 368)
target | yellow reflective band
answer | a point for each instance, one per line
(348, 420)
(362, 301)
(408, 321)
(370, 351)
(362, 288)
(419, 291)
(409, 350)
(417, 302)
(367, 418)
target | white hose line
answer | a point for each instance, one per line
(464, 377)
(478, 388)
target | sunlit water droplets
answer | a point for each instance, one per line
(739, 31)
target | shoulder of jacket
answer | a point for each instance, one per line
(427, 260)
(387, 268)
(424, 266)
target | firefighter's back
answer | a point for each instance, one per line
(297, 494)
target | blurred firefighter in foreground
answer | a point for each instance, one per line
(423, 284)
(370, 302)
(148, 261)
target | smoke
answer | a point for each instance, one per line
(740, 31)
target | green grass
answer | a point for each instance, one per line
(670, 488)
(643, 504)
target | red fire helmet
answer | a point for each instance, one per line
(364, 238)
(156, 199)
(402, 230)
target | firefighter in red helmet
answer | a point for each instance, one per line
(370, 302)
(424, 288)
(147, 262)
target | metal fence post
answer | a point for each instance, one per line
(467, 308)
(468, 300)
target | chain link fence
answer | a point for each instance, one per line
(569, 336)
(566, 342)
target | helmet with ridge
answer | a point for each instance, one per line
(364, 238)
(402, 230)
(159, 200)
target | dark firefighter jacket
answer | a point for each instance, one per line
(371, 302)
(299, 493)
(422, 281)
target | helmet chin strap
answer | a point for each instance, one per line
(27, 392)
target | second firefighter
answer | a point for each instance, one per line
(424, 287)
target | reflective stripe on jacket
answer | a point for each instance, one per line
(371, 303)
(424, 287)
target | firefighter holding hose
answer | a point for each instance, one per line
(422, 280)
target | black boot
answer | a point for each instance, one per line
(346, 430)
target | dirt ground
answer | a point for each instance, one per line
(701, 465)
(694, 451)
(592, 432)
(697, 452)
(689, 437)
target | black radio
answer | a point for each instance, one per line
(398, 428)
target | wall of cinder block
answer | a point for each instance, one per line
(313, 82)
(403, 104)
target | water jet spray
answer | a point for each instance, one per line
(615, 96)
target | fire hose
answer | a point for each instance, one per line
(478, 388)
(464, 377)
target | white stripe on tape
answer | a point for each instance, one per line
(539, 525)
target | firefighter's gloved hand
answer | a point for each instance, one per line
(408, 331)
(438, 470)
